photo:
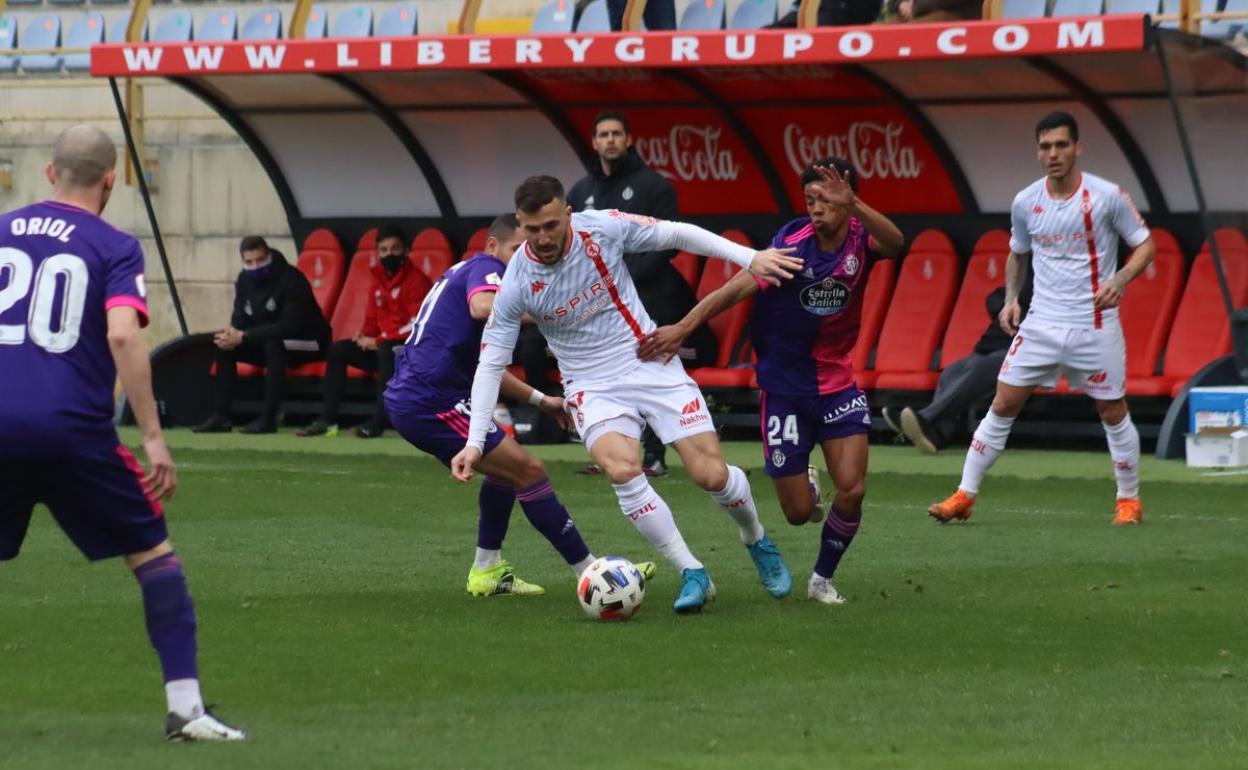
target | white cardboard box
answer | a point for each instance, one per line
(1218, 448)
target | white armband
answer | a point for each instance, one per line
(535, 398)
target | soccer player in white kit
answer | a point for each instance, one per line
(570, 277)
(1067, 225)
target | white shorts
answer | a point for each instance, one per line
(659, 394)
(1093, 360)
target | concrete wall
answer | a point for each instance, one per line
(210, 192)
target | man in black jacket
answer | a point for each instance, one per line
(276, 322)
(619, 179)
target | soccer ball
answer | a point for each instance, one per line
(611, 588)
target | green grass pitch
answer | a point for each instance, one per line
(329, 581)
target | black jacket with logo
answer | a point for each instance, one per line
(279, 306)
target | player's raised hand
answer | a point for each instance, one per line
(462, 464)
(1011, 315)
(162, 478)
(553, 406)
(1108, 295)
(662, 343)
(775, 265)
(835, 187)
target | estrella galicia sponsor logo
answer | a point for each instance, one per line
(778, 458)
(856, 405)
(825, 297)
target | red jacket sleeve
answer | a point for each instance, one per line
(371, 326)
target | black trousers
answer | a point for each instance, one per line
(344, 353)
(964, 383)
(659, 14)
(274, 356)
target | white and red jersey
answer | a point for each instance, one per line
(585, 304)
(1074, 246)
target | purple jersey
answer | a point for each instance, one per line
(434, 368)
(804, 329)
(61, 269)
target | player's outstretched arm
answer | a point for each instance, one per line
(517, 389)
(771, 265)
(135, 371)
(664, 342)
(1111, 293)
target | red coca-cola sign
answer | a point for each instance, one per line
(712, 171)
(897, 169)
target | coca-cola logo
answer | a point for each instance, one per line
(689, 153)
(875, 150)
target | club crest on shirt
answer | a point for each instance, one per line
(825, 297)
(627, 194)
(851, 265)
(271, 305)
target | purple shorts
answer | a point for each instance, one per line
(793, 425)
(443, 433)
(96, 496)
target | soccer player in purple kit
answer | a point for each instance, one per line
(72, 301)
(803, 332)
(428, 402)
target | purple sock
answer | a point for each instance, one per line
(496, 499)
(170, 616)
(548, 516)
(838, 532)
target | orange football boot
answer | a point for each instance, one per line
(1128, 511)
(957, 507)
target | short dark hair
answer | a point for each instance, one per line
(840, 164)
(1057, 120)
(605, 116)
(251, 243)
(503, 226)
(537, 191)
(391, 230)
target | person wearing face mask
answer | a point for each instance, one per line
(397, 291)
(276, 323)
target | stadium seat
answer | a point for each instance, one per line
(318, 23)
(323, 262)
(431, 252)
(1147, 313)
(8, 41)
(263, 24)
(595, 18)
(354, 21)
(68, 2)
(754, 14)
(1023, 9)
(216, 26)
(398, 21)
(349, 311)
(1201, 330)
(1078, 8)
(1151, 7)
(926, 286)
(874, 305)
(110, 2)
(476, 242)
(703, 15)
(555, 16)
(25, 2)
(689, 266)
(1225, 30)
(117, 32)
(85, 31)
(985, 272)
(43, 31)
(174, 27)
(727, 328)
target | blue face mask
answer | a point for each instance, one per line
(260, 272)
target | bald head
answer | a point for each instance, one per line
(82, 156)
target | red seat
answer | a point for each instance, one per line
(1146, 314)
(728, 325)
(322, 261)
(689, 266)
(475, 243)
(874, 306)
(431, 252)
(917, 314)
(1201, 330)
(349, 314)
(985, 273)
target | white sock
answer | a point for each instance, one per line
(487, 559)
(580, 566)
(738, 503)
(1124, 450)
(653, 519)
(184, 698)
(986, 446)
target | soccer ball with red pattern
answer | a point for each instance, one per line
(611, 588)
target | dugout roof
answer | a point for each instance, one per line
(937, 118)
